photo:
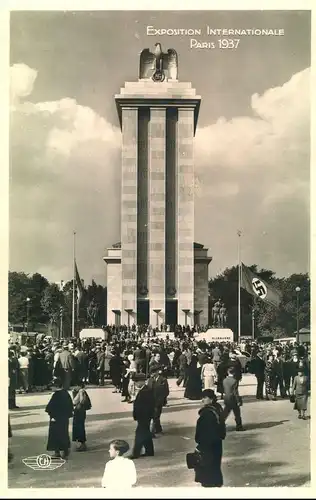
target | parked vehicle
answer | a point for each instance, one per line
(244, 358)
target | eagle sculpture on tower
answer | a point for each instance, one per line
(158, 65)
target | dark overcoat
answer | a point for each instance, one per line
(209, 435)
(60, 410)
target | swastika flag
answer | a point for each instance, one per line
(258, 287)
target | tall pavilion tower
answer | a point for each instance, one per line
(157, 274)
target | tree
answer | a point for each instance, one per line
(52, 301)
(21, 287)
(225, 287)
(269, 320)
(38, 285)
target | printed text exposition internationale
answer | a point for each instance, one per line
(152, 31)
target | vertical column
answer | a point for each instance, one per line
(185, 219)
(129, 213)
(157, 202)
(142, 215)
(171, 212)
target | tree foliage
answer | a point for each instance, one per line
(269, 320)
(46, 301)
(21, 287)
(52, 301)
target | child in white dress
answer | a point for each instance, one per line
(120, 472)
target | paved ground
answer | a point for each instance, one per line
(274, 449)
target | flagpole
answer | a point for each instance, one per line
(239, 282)
(253, 318)
(73, 286)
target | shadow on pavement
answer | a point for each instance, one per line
(29, 408)
(105, 416)
(15, 415)
(263, 425)
(260, 474)
(243, 463)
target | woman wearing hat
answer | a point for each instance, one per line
(132, 373)
(269, 377)
(208, 374)
(60, 410)
(209, 435)
(193, 389)
(300, 392)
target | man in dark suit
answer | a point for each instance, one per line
(155, 364)
(232, 398)
(138, 358)
(258, 367)
(216, 357)
(13, 379)
(160, 387)
(82, 358)
(65, 364)
(100, 365)
(236, 365)
(143, 412)
(183, 368)
(279, 376)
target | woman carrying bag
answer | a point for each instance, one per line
(82, 403)
(209, 435)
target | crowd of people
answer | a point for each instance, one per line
(138, 366)
(196, 364)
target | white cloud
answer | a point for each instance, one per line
(252, 170)
(22, 79)
(252, 173)
(64, 176)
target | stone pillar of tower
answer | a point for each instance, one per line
(129, 213)
(157, 214)
(185, 209)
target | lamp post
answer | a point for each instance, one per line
(297, 289)
(61, 312)
(28, 300)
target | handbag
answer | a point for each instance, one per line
(239, 401)
(85, 404)
(292, 398)
(193, 460)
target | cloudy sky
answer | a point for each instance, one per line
(251, 147)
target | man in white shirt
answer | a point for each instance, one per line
(24, 370)
(120, 472)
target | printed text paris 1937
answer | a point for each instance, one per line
(221, 38)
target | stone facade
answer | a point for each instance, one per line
(158, 275)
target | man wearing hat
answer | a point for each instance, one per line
(155, 363)
(13, 379)
(160, 387)
(232, 398)
(100, 364)
(258, 366)
(143, 412)
(236, 365)
(65, 366)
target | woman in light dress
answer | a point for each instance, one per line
(132, 372)
(208, 375)
(300, 393)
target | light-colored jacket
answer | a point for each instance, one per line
(208, 375)
(208, 370)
